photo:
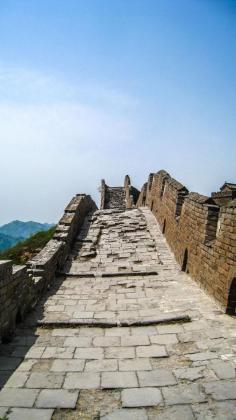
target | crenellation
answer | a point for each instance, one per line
(199, 229)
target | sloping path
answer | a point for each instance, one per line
(73, 366)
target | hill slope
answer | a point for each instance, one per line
(18, 229)
(25, 250)
(7, 241)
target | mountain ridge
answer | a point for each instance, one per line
(17, 231)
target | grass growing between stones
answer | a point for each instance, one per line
(91, 405)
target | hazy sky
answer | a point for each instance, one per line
(93, 89)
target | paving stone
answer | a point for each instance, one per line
(83, 314)
(195, 325)
(45, 380)
(27, 365)
(106, 341)
(29, 414)
(138, 340)
(170, 329)
(151, 351)
(61, 398)
(141, 397)
(190, 374)
(156, 377)
(119, 380)
(35, 352)
(221, 390)
(149, 330)
(224, 410)
(84, 380)
(224, 370)
(178, 412)
(91, 332)
(105, 365)
(135, 364)
(89, 353)
(78, 342)
(126, 414)
(13, 397)
(68, 365)
(129, 241)
(164, 339)
(17, 380)
(58, 352)
(183, 394)
(202, 356)
(117, 332)
(119, 352)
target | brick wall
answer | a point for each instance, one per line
(201, 234)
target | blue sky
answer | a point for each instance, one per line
(100, 88)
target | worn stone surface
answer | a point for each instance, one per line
(183, 394)
(190, 364)
(29, 414)
(50, 398)
(119, 380)
(141, 397)
(156, 377)
(10, 397)
(127, 414)
(177, 412)
(221, 390)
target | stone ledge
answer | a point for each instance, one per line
(165, 319)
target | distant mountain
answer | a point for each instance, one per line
(7, 241)
(17, 231)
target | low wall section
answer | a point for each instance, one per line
(22, 286)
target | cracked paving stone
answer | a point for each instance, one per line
(183, 394)
(224, 370)
(224, 410)
(221, 390)
(190, 374)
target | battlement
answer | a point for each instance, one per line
(118, 197)
(200, 230)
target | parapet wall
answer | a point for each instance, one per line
(22, 286)
(201, 234)
(118, 197)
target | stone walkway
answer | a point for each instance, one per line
(101, 344)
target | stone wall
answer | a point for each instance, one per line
(201, 234)
(22, 286)
(118, 197)
(131, 193)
